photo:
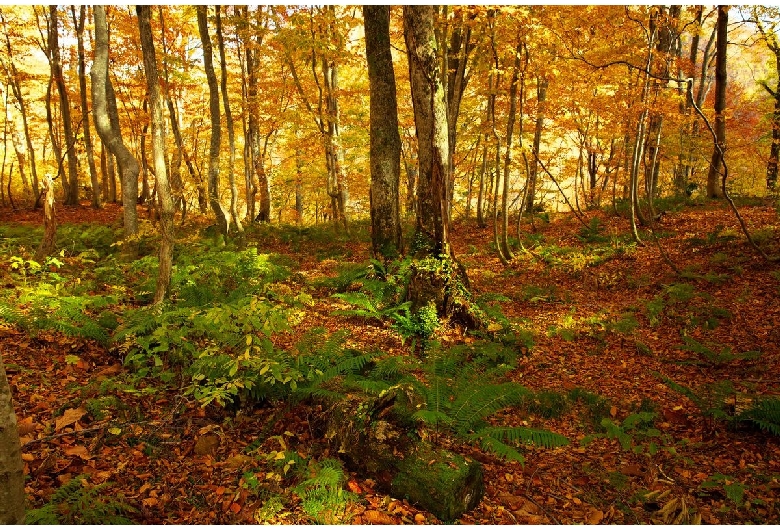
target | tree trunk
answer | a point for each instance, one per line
(541, 98)
(445, 284)
(158, 154)
(255, 170)
(12, 495)
(385, 150)
(72, 194)
(229, 123)
(21, 159)
(713, 176)
(88, 147)
(49, 221)
(107, 123)
(216, 132)
(456, 75)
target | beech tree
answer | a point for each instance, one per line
(222, 217)
(71, 180)
(721, 45)
(88, 147)
(385, 150)
(158, 154)
(441, 284)
(107, 122)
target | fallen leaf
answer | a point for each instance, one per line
(70, 417)
(235, 507)
(595, 516)
(354, 487)
(207, 445)
(26, 426)
(79, 451)
(377, 517)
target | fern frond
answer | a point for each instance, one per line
(527, 435)
(13, 315)
(765, 414)
(499, 448)
(432, 417)
(482, 401)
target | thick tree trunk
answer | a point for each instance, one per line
(88, 147)
(385, 150)
(107, 123)
(158, 154)
(430, 118)
(446, 283)
(216, 132)
(229, 123)
(721, 41)
(72, 188)
(12, 496)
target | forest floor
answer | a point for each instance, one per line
(606, 317)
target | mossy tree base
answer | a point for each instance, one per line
(377, 441)
(444, 282)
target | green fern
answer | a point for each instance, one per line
(502, 441)
(764, 414)
(76, 503)
(482, 401)
(322, 496)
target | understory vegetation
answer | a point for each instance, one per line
(590, 358)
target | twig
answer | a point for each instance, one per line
(565, 198)
(719, 148)
(528, 496)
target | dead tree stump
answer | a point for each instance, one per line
(377, 441)
(49, 220)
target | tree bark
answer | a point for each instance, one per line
(107, 123)
(385, 150)
(721, 41)
(158, 154)
(220, 214)
(88, 146)
(49, 221)
(541, 98)
(445, 284)
(229, 123)
(72, 188)
(12, 496)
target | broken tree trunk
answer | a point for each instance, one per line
(49, 220)
(374, 439)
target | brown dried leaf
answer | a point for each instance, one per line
(79, 451)
(595, 516)
(70, 417)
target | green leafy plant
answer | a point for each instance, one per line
(764, 414)
(460, 392)
(636, 432)
(710, 398)
(734, 490)
(712, 357)
(76, 502)
(323, 497)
